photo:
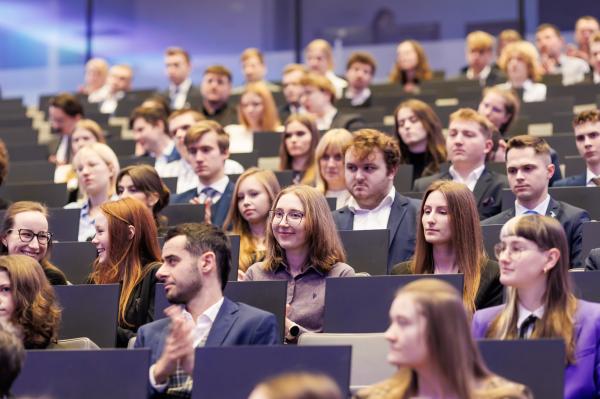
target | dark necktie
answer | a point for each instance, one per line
(529, 321)
(209, 194)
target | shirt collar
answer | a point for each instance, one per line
(283, 265)
(324, 122)
(482, 75)
(167, 150)
(386, 201)
(596, 77)
(210, 313)
(541, 208)
(357, 98)
(474, 175)
(184, 86)
(220, 185)
(524, 314)
(589, 175)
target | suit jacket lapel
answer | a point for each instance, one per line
(482, 185)
(554, 210)
(223, 323)
(346, 219)
(220, 208)
(396, 215)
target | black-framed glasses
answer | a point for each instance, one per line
(293, 218)
(26, 235)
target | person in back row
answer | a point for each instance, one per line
(468, 142)
(216, 89)
(360, 70)
(196, 263)
(529, 168)
(372, 161)
(480, 54)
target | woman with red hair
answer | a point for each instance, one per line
(128, 254)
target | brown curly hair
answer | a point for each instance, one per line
(365, 141)
(36, 310)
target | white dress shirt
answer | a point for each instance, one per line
(359, 98)
(187, 178)
(324, 122)
(63, 149)
(339, 83)
(161, 163)
(532, 92)
(471, 180)
(200, 332)
(573, 69)
(541, 208)
(372, 219)
(241, 139)
(589, 175)
(524, 314)
(482, 75)
(178, 94)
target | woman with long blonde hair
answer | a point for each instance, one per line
(253, 196)
(329, 161)
(449, 240)
(534, 266)
(128, 254)
(432, 347)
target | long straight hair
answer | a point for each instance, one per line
(129, 257)
(270, 118)
(422, 70)
(559, 302)
(335, 140)
(238, 224)
(325, 247)
(285, 159)
(467, 240)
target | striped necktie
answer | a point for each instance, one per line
(180, 383)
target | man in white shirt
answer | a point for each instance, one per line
(118, 84)
(585, 27)
(587, 139)
(550, 44)
(63, 114)
(178, 67)
(372, 161)
(529, 169)
(360, 70)
(195, 269)
(150, 131)
(468, 143)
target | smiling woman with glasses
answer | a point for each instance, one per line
(534, 266)
(303, 248)
(25, 232)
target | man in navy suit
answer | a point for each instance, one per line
(196, 263)
(371, 163)
(587, 138)
(207, 145)
(529, 169)
(151, 132)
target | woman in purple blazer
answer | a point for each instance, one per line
(540, 303)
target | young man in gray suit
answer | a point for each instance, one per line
(372, 161)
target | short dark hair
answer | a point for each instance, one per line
(12, 355)
(219, 70)
(548, 26)
(202, 237)
(68, 103)
(363, 58)
(152, 115)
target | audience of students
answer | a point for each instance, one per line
(329, 159)
(540, 302)
(297, 149)
(436, 356)
(25, 231)
(257, 112)
(254, 193)
(411, 67)
(449, 240)
(29, 306)
(303, 248)
(419, 133)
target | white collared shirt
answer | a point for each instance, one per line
(359, 98)
(482, 75)
(573, 69)
(532, 92)
(596, 77)
(161, 163)
(200, 332)
(63, 149)
(524, 314)
(324, 122)
(372, 219)
(241, 139)
(541, 208)
(589, 175)
(219, 186)
(339, 83)
(187, 178)
(178, 100)
(471, 180)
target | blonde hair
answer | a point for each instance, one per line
(337, 140)
(270, 118)
(92, 127)
(480, 40)
(526, 52)
(323, 45)
(106, 154)
(470, 115)
(320, 82)
(238, 224)
(252, 52)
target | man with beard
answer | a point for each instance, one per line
(196, 263)
(372, 161)
(216, 89)
(360, 70)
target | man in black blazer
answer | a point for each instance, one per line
(529, 169)
(371, 163)
(207, 145)
(196, 263)
(178, 66)
(63, 113)
(592, 262)
(468, 142)
(216, 90)
(318, 98)
(587, 139)
(480, 54)
(291, 82)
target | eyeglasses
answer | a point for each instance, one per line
(26, 235)
(293, 218)
(514, 252)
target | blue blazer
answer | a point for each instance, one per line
(219, 209)
(571, 181)
(570, 217)
(402, 225)
(235, 324)
(582, 379)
